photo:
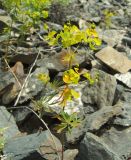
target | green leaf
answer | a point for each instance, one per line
(61, 127)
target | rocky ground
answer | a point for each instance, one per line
(105, 107)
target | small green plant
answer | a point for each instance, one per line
(67, 122)
(28, 12)
(108, 17)
(44, 104)
(71, 35)
(70, 77)
(43, 77)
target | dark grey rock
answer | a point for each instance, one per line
(118, 93)
(112, 36)
(7, 121)
(124, 119)
(93, 122)
(21, 114)
(24, 55)
(127, 40)
(90, 108)
(55, 62)
(119, 140)
(33, 85)
(76, 133)
(40, 144)
(101, 93)
(11, 94)
(126, 96)
(9, 86)
(52, 62)
(93, 148)
(97, 119)
(6, 80)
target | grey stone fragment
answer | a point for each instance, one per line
(38, 143)
(55, 62)
(124, 119)
(51, 62)
(6, 79)
(33, 85)
(24, 55)
(11, 93)
(126, 96)
(112, 36)
(7, 121)
(119, 140)
(93, 148)
(124, 78)
(21, 114)
(118, 93)
(102, 116)
(94, 121)
(101, 93)
(70, 154)
(76, 133)
(9, 86)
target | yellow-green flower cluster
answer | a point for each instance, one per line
(71, 77)
(71, 35)
(67, 95)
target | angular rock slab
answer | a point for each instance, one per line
(114, 59)
(7, 121)
(27, 147)
(101, 93)
(119, 140)
(93, 148)
(94, 121)
(112, 36)
(124, 78)
(102, 116)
